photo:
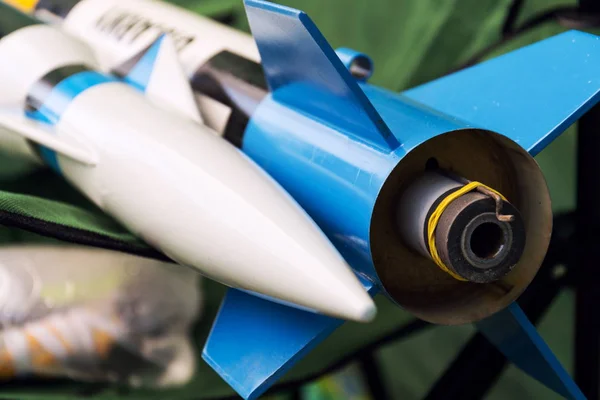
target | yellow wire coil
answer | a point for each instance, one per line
(435, 218)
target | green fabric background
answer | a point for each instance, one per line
(411, 41)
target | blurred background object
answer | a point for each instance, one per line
(96, 316)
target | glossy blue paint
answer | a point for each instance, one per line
(314, 69)
(139, 76)
(59, 99)
(309, 137)
(516, 337)
(323, 170)
(247, 328)
(341, 179)
(530, 95)
(350, 56)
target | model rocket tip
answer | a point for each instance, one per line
(352, 303)
(366, 313)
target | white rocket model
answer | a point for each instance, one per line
(140, 153)
(117, 30)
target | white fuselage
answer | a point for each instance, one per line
(157, 170)
(116, 29)
(180, 187)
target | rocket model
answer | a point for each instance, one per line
(137, 149)
(432, 195)
(345, 170)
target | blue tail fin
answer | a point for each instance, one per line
(515, 336)
(530, 95)
(253, 341)
(304, 72)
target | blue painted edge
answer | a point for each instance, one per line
(530, 95)
(255, 389)
(259, 390)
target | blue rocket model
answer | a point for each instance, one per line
(432, 195)
(367, 164)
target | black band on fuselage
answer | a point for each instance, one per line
(40, 91)
(230, 79)
(236, 82)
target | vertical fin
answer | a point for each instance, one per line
(159, 74)
(305, 73)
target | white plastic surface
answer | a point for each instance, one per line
(142, 21)
(93, 21)
(168, 86)
(44, 134)
(30, 53)
(205, 204)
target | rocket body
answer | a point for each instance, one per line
(132, 24)
(324, 142)
(170, 180)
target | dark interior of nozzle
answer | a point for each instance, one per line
(475, 243)
(499, 260)
(486, 241)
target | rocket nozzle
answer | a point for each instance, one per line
(473, 235)
(474, 243)
(492, 226)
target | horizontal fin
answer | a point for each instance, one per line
(253, 341)
(530, 95)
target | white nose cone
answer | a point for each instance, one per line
(279, 251)
(241, 229)
(206, 205)
(289, 258)
(254, 236)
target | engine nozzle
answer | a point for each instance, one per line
(470, 231)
